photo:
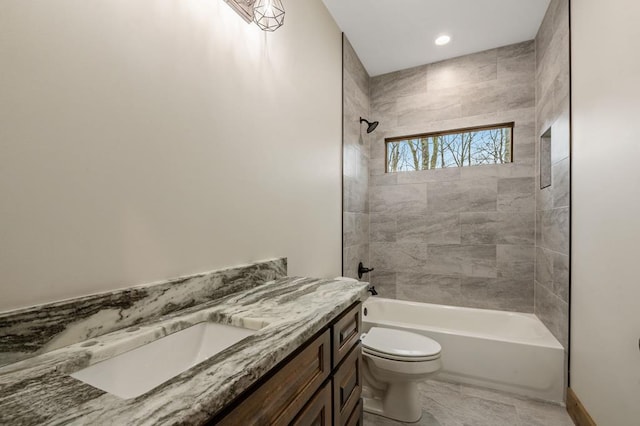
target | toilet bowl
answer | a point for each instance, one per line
(394, 362)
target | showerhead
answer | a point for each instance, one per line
(371, 126)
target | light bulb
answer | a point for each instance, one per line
(268, 14)
(442, 40)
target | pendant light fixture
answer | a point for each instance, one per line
(268, 14)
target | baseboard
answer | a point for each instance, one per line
(576, 410)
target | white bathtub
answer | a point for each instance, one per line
(507, 351)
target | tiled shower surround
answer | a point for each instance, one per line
(355, 243)
(552, 203)
(480, 236)
(457, 236)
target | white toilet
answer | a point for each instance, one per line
(394, 361)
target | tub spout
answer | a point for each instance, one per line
(371, 289)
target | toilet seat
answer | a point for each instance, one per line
(399, 358)
(394, 361)
(399, 345)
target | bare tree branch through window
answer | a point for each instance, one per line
(469, 147)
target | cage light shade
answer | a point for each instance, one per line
(268, 14)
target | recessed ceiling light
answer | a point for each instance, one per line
(442, 40)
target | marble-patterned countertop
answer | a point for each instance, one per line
(285, 312)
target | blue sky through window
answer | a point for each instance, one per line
(450, 149)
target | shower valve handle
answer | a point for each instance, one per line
(363, 270)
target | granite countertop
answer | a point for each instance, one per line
(285, 312)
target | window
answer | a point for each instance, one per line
(454, 148)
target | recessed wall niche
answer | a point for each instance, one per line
(545, 159)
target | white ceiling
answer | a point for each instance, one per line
(391, 35)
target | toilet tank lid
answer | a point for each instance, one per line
(400, 343)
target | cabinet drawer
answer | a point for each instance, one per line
(346, 333)
(283, 395)
(347, 387)
(318, 411)
(357, 417)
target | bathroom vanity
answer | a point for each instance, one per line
(318, 385)
(299, 364)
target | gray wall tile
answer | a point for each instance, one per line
(478, 260)
(354, 68)
(400, 83)
(516, 228)
(483, 98)
(513, 294)
(555, 230)
(553, 312)
(442, 228)
(411, 228)
(560, 183)
(457, 215)
(516, 194)
(380, 256)
(474, 68)
(475, 292)
(399, 199)
(384, 282)
(544, 198)
(515, 262)
(561, 276)
(424, 176)
(444, 259)
(479, 195)
(498, 293)
(517, 61)
(552, 216)
(428, 288)
(464, 259)
(352, 255)
(444, 197)
(479, 228)
(355, 236)
(439, 105)
(399, 256)
(561, 134)
(382, 228)
(544, 267)
(356, 229)
(386, 179)
(539, 215)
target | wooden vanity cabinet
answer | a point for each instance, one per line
(347, 386)
(319, 385)
(318, 411)
(285, 393)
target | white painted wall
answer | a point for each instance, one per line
(142, 140)
(605, 310)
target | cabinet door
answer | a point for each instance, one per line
(280, 398)
(318, 411)
(357, 417)
(347, 386)
(346, 333)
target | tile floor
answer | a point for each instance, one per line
(448, 404)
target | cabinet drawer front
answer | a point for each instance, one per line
(318, 411)
(357, 417)
(347, 386)
(346, 333)
(283, 395)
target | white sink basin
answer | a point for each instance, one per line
(136, 372)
